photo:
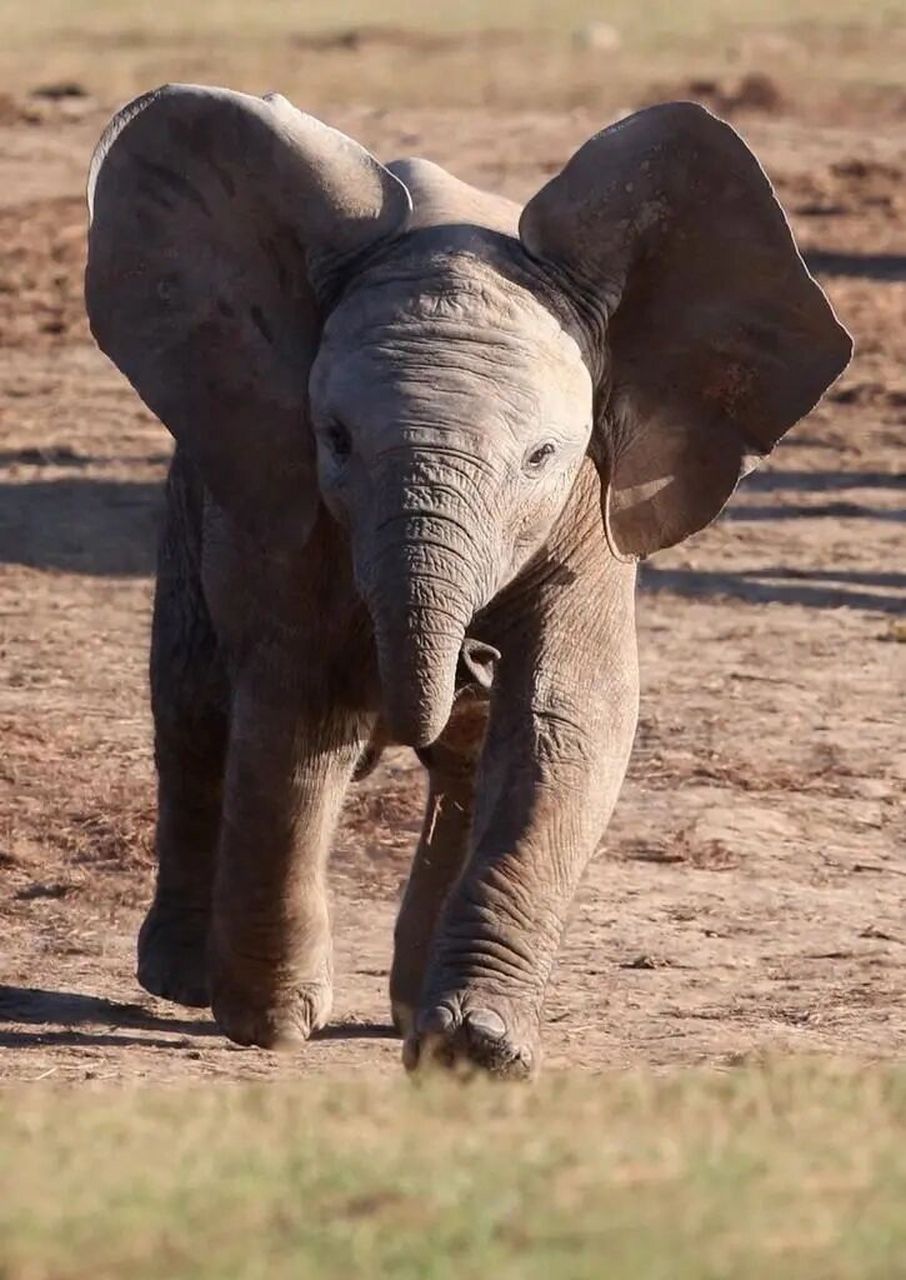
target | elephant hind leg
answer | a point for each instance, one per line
(189, 701)
(441, 854)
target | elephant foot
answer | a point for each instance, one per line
(172, 955)
(282, 1022)
(469, 1033)
(265, 1005)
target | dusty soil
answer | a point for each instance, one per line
(749, 897)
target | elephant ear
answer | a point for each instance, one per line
(719, 339)
(206, 209)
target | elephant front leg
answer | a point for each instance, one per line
(441, 853)
(561, 730)
(438, 860)
(189, 702)
(270, 945)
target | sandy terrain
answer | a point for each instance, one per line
(749, 897)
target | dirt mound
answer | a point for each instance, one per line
(755, 92)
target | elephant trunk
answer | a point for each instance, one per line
(422, 590)
(417, 658)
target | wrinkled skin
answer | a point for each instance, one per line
(419, 452)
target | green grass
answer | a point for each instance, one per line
(789, 1172)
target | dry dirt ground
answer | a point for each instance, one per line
(749, 897)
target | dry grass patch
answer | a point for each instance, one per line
(752, 53)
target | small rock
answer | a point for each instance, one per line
(60, 89)
(600, 36)
(768, 44)
(756, 92)
(642, 962)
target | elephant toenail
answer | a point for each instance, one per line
(489, 1023)
(436, 1021)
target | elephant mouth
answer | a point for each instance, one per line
(474, 679)
(475, 666)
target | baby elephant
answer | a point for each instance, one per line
(422, 438)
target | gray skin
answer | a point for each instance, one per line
(423, 437)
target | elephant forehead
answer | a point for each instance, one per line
(442, 292)
(456, 375)
(457, 337)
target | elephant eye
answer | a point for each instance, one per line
(338, 440)
(538, 458)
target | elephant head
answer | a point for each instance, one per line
(435, 366)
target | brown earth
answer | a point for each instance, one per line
(749, 897)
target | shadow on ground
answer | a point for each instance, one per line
(811, 482)
(58, 1013)
(890, 267)
(820, 481)
(58, 1017)
(81, 525)
(106, 527)
(818, 589)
